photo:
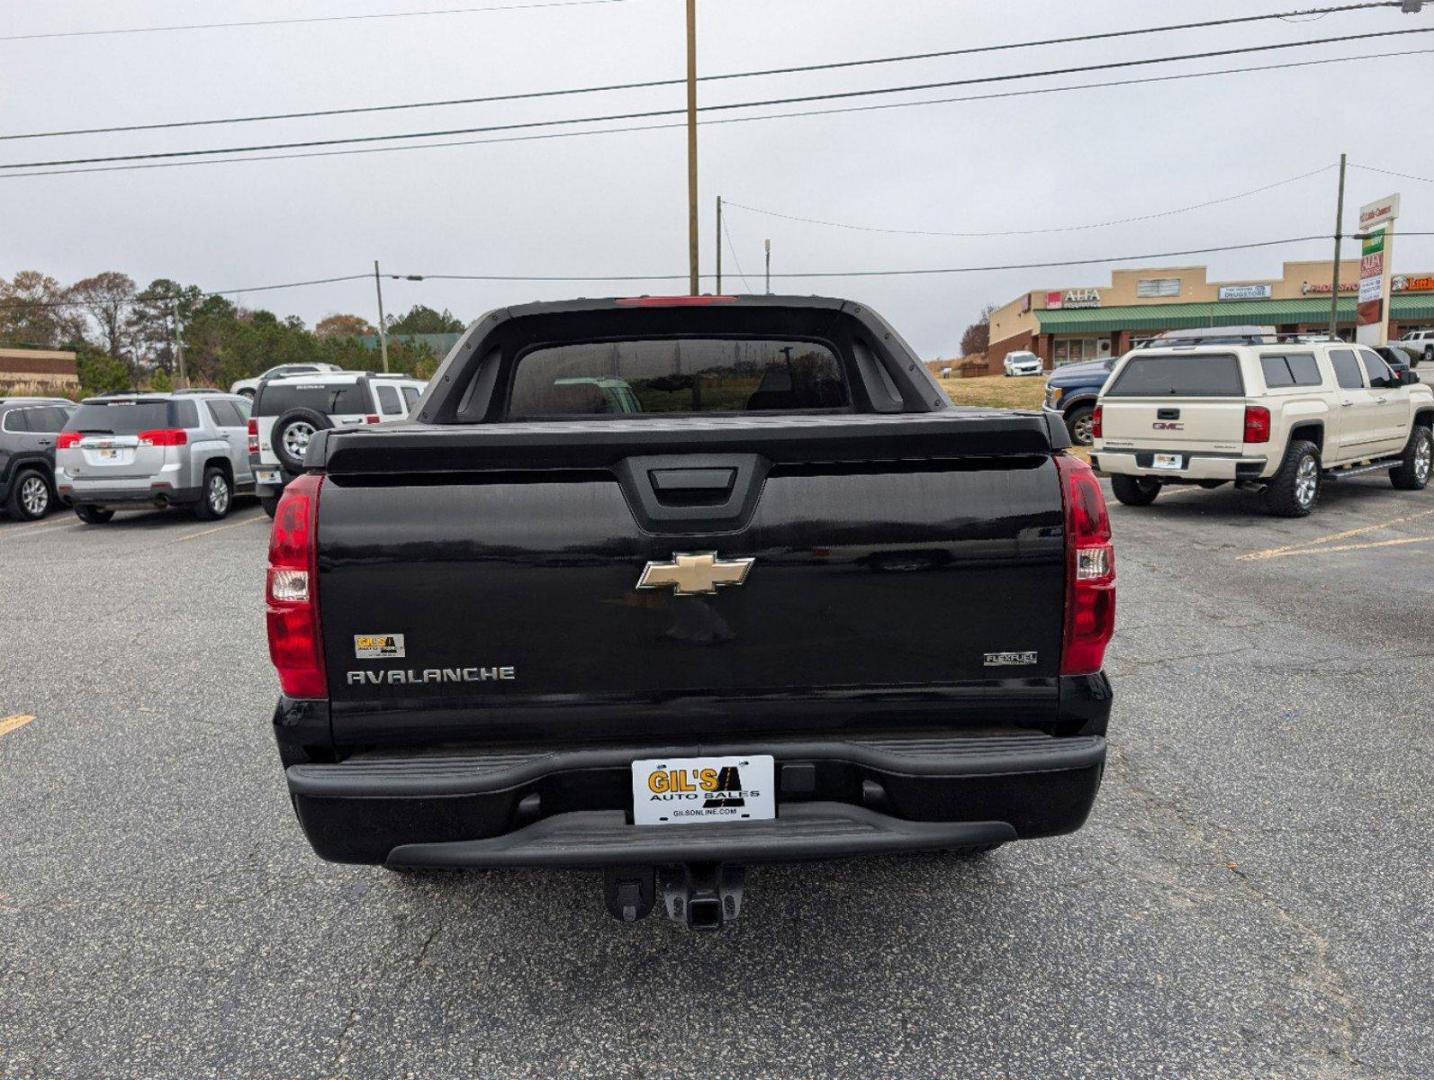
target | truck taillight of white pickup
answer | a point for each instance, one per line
(291, 594)
(1090, 569)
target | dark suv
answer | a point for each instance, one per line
(28, 426)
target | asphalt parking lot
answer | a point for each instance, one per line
(1253, 895)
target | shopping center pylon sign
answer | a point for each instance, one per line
(1376, 224)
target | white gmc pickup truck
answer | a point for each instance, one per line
(1281, 419)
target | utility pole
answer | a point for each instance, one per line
(768, 243)
(179, 346)
(1338, 236)
(382, 330)
(692, 145)
(718, 290)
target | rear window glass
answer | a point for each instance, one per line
(1195, 375)
(677, 375)
(1346, 369)
(1295, 369)
(388, 400)
(341, 398)
(130, 417)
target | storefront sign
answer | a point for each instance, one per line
(1248, 292)
(1371, 317)
(1072, 298)
(1371, 269)
(1406, 283)
(1316, 287)
(1150, 288)
(1380, 212)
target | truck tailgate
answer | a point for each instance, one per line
(481, 581)
(1157, 424)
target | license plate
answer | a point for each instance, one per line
(686, 791)
(267, 476)
(1167, 461)
(107, 455)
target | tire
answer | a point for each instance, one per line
(30, 496)
(1135, 490)
(1412, 472)
(1078, 424)
(247, 392)
(270, 505)
(93, 515)
(1429, 354)
(292, 433)
(1294, 490)
(216, 497)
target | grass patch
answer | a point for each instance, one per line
(997, 391)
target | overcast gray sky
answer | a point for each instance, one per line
(615, 204)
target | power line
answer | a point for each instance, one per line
(1031, 232)
(528, 95)
(651, 113)
(727, 232)
(892, 273)
(737, 119)
(309, 19)
(48, 304)
(1390, 172)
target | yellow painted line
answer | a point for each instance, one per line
(37, 527)
(1304, 546)
(1353, 547)
(211, 532)
(11, 723)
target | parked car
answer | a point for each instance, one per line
(1073, 389)
(1420, 342)
(1282, 419)
(1071, 393)
(154, 450)
(28, 429)
(291, 410)
(755, 564)
(249, 387)
(1020, 362)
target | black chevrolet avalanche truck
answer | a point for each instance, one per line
(664, 587)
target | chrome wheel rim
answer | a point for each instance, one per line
(218, 494)
(296, 439)
(1080, 431)
(35, 496)
(1306, 481)
(1422, 454)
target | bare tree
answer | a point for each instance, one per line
(107, 298)
(33, 311)
(977, 337)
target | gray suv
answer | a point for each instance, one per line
(28, 429)
(154, 450)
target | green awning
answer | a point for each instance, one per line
(1413, 307)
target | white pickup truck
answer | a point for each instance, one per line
(1281, 419)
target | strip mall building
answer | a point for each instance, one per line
(1065, 325)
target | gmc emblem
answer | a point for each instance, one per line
(1167, 425)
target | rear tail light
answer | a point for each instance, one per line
(1257, 424)
(1095, 422)
(1090, 570)
(163, 437)
(68, 439)
(371, 418)
(292, 608)
(253, 436)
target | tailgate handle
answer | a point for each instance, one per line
(692, 493)
(1167, 414)
(714, 482)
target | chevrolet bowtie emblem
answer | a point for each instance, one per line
(691, 575)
